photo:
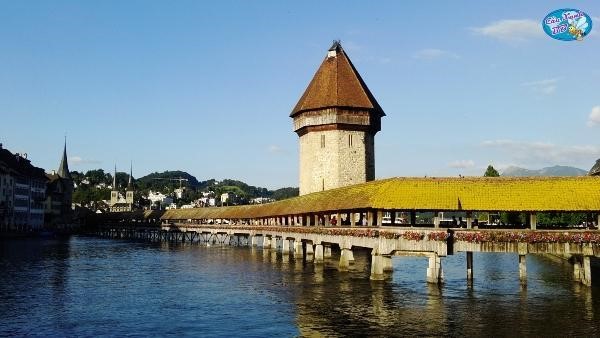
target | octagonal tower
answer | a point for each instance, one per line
(336, 119)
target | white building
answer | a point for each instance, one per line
(207, 201)
(160, 200)
(261, 200)
(179, 192)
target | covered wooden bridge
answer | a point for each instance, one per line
(306, 222)
(365, 204)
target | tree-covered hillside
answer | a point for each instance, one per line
(93, 186)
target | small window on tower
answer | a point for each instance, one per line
(350, 140)
(323, 184)
(322, 141)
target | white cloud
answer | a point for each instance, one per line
(462, 164)
(542, 153)
(547, 86)
(433, 53)
(77, 160)
(594, 118)
(511, 30)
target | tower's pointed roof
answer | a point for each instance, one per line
(337, 84)
(63, 169)
(595, 171)
(130, 183)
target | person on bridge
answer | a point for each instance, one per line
(333, 221)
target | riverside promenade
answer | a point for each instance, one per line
(302, 226)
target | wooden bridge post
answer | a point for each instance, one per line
(376, 265)
(266, 242)
(523, 269)
(327, 251)
(587, 272)
(469, 221)
(285, 245)
(309, 248)
(370, 218)
(469, 267)
(298, 249)
(533, 220)
(319, 253)
(434, 270)
(344, 259)
(576, 269)
(436, 219)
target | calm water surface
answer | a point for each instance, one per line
(89, 287)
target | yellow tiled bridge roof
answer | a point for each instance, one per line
(577, 194)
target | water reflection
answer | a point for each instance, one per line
(88, 286)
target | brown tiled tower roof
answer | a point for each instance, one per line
(337, 84)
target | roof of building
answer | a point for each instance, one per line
(337, 84)
(63, 168)
(577, 194)
(595, 171)
(20, 165)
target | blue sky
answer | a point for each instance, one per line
(207, 87)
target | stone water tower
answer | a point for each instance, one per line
(336, 119)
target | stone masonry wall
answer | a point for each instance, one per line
(347, 157)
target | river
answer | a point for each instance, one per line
(86, 286)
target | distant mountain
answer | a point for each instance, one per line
(556, 170)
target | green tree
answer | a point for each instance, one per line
(491, 172)
(96, 176)
(283, 193)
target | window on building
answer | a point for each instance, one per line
(350, 140)
(322, 141)
(322, 184)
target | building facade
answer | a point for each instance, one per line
(22, 193)
(117, 203)
(336, 120)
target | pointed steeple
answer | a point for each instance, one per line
(337, 84)
(115, 179)
(63, 169)
(130, 184)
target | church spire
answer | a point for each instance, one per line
(130, 184)
(63, 169)
(115, 179)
